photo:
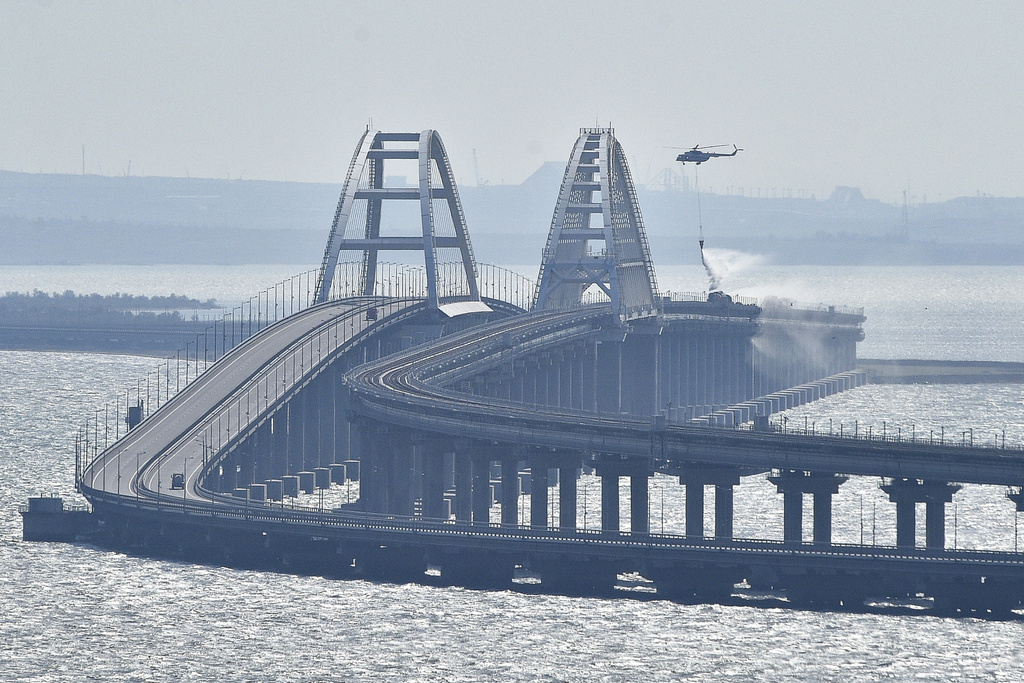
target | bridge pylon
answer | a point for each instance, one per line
(451, 280)
(597, 234)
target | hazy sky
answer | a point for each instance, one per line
(922, 96)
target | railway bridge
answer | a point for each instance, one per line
(454, 393)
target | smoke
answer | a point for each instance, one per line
(714, 281)
(723, 264)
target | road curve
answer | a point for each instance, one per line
(413, 389)
(239, 389)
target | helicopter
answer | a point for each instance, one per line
(698, 156)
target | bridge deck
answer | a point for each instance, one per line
(235, 392)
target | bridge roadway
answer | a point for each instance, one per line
(413, 389)
(241, 388)
(408, 388)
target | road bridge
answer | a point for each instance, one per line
(446, 412)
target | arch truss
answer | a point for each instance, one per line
(597, 235)
(367, 198)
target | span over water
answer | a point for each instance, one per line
(446, 416)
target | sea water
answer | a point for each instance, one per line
(71, 612)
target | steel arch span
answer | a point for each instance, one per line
(613, 255)
(452, 284)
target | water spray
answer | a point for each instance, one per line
(714, 281)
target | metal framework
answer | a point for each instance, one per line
(580, 254)
(447, 254)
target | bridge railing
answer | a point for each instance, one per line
(407, 281)
(893, 433)
(505, 285)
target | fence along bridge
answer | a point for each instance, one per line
(447, 390)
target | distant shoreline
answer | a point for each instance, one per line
(917, 371)
(54, 219)
(158, 340)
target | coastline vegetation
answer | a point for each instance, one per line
(69, 308)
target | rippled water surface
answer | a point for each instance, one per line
(73, 612)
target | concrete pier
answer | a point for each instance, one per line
(539, 496)
(906, 493)
(695, 477)
(510, 491)
(290, 485)
(793, 484)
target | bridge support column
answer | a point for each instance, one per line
(906, 493)
(342, 428)
(608, 383)
(695, 476)
(639, 363)
(906, 523)
(463, 486)
(432, 458)
(588, 394)
(510, 490)
(401, 474)
(639, 504)
(259, 445)
(541, 461)
(517, 385)
(793, 484)
(481, 490)
(610, 466)
(296, 414)
(609, 501)
(792, 516)
(568, 388)
(277, 438)
(567, 478)
(694, 510)
(246, 464)
(311, 424)
(539, 496)
(723, 510)
(369, 443)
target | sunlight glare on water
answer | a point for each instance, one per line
(74, 612)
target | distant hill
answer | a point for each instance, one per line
(54, 219)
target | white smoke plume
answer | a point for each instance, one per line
(721, 264)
